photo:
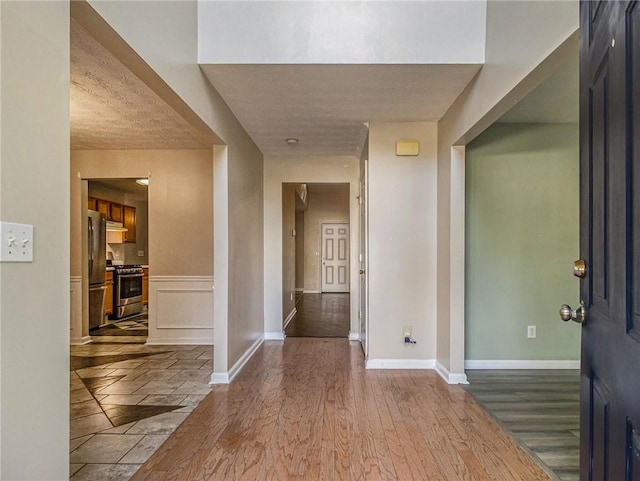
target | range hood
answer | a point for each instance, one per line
(115, 227)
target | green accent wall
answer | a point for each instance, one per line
(522, 237)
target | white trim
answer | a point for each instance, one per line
(227, 377)
(183, 341)
(311, 292)
(520, 364)
(81, 341)
(289, 318)
(354, 336)
(182, 279)
(75, 278)
(274, 336)
(401, 364)
(455, 378)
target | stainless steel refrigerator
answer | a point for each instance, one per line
(97, 236)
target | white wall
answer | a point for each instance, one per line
(164, 34)
(526, 42)
(34, 189)
(402, 245)
(315, 169)
(317, 32)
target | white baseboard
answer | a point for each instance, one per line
(450, 378)
(274, 336)
(182, 341)
(80, 341)
(520, 364)
(227, 377)
(312, 292)
(354, 336)
(401, 364)
(291, 315)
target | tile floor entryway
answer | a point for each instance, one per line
(126, 399)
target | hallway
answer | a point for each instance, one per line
(321, 315)
(307, 409)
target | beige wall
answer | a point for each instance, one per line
(309, 169)
(180, 204)
(402, 243)
(324, 207)
(180, 227)
(526, 42)
(288, 249)
(34, 189)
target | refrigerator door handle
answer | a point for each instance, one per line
(91, 246)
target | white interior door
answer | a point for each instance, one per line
(335, 257)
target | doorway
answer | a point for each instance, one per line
(316, 245)
(119, 314)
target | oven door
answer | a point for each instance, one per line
(128, 289)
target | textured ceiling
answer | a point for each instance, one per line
(326, 106)
(112, 109)
(126, 186)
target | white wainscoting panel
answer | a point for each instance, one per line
(75, 323)
(180, 310)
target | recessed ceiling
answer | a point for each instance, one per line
(327, 107)
(112, 109)
(554, 101)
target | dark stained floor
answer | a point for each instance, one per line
(540, 409)
(321, 315)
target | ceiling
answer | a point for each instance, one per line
(127, 186)
(327, 107)
(112, 109)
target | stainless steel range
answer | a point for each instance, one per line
(127, 291)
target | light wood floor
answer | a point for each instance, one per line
(307, 409)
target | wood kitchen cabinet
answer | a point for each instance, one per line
(92, 203)
(145, 286)
(104, 206)
(108, 297)
(116, 212)
(129, 221)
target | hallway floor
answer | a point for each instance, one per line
(540, 408)
(126, 399)
(321, 315)
(307, 409)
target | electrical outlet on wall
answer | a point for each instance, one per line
(531, 332)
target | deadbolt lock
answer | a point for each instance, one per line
(580, 268)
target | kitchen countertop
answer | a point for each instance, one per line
(110, 268)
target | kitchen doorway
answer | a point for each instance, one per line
(118, 297)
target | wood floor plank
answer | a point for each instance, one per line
(306, 409)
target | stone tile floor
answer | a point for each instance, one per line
(126, 399)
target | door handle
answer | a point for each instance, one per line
(578, 315)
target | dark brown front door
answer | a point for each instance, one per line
(610, 239)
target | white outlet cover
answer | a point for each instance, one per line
(17, 242)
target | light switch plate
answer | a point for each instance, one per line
(17, 242)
